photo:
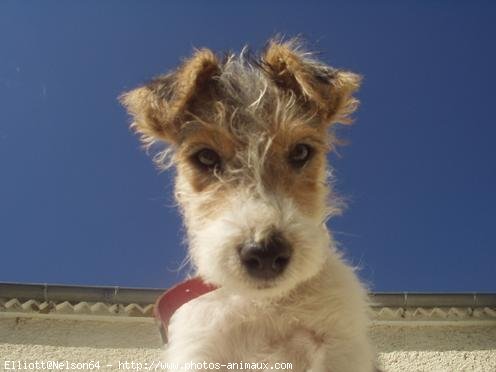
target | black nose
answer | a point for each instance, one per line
(267, 259)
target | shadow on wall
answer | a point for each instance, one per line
(389, 338)
(74, 333)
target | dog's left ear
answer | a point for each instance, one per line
(326, 91)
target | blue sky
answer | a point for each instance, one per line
(81, 203)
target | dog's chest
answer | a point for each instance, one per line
(234, 329)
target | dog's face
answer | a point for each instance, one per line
(249, 140)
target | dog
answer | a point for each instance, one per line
(248, 136)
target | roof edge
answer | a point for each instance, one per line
(146, 296)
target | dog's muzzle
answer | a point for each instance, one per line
(266, 259)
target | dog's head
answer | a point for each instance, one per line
(249, 138)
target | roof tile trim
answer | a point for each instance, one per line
(433, 313)
(13, 305)
(137, 303)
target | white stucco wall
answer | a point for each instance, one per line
(402, 346)
(82, 340)
(450, 347)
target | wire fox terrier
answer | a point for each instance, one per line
(248, 136)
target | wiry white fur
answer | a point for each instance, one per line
(213, 247)
(312, 316)
(225, 326)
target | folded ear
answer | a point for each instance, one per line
(159, 107)
(327, 92)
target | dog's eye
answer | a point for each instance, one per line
(207, 158)
(300, 154)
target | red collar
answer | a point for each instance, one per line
(173, 298)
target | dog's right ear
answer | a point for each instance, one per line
(159, 108)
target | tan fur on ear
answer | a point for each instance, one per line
(328, 91)
(344, 103)
(158, 107)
